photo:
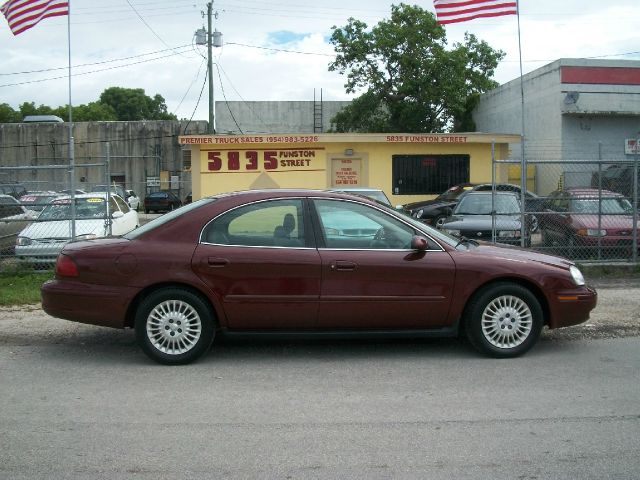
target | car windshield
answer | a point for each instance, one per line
(453, 193)
(606, 205)
(482, 205)
(93, 207)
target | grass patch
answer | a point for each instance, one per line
(22, 288)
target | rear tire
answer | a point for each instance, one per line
(503, 320)
(174, 326)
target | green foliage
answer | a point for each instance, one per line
(134, 104)
(411, 81)
(8, 114)
(115, 103)
(20, 288)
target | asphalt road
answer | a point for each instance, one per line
(82, 402)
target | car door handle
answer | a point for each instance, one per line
(343, 266)
(217, 262)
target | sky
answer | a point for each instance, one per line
(272, 50)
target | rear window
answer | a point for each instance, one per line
(167, 217)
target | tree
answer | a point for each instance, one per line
(411, 82)
(92, 112)
(8, 114)
(133, 104)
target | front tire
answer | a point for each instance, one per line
(504, 320)
(174, 326)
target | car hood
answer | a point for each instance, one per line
(429, 204)
(518, 254)
(482, 222)
(62, 229)
(606, 221)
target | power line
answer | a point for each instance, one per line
(27, 82)
(95, 63)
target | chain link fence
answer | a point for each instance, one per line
(38, 216)
(586, 211)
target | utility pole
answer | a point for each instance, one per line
(212, 129)
(210, 39)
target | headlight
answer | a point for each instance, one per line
(23, 241)
(452, 232)
(592, 232)
(88, 236)
(419, 213)
(578, 278)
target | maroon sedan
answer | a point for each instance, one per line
(276, 261)
(583, 220)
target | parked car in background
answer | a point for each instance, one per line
(374, 193)
(616, 178)
(132, 199)
(162, 201)
(472, 218)
(38, 200)
(433, 212)
(579, 221)
(16, 190)
(281, 261)
(78, 191)
(39, 243)
(13, 218)
(115, 188)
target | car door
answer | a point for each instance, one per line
(261, 262)
(556, 219)
(371, 278)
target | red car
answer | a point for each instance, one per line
(582, 220)
(276, 261)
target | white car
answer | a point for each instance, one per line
(132, 199)
(39, 243)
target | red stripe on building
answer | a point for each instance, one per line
(600, 75)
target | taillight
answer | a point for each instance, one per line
(66, 267)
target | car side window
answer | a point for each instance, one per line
(355, 226)
(122, 204)
(9, 207)
(275, 223)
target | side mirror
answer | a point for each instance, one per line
(117, 214)
(419, 243)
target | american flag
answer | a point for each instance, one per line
(24, 14)
(454, 11)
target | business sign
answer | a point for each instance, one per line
(632, 146)
(263, 160)
(153, 181)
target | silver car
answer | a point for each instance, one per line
(13, 218)
(96, 215)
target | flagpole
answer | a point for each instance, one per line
(523, 161)
(72, 160)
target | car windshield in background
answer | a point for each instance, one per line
(606, 205)
(482, 204)
(94, 207)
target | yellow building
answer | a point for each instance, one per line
(407, 167)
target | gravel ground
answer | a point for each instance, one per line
(617, 315)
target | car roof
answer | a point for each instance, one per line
(590, 192)
(87, 195)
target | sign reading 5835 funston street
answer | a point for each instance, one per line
(256, 160)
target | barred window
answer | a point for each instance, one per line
(186, 159)
(428, 174)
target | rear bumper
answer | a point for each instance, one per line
(93, 304)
